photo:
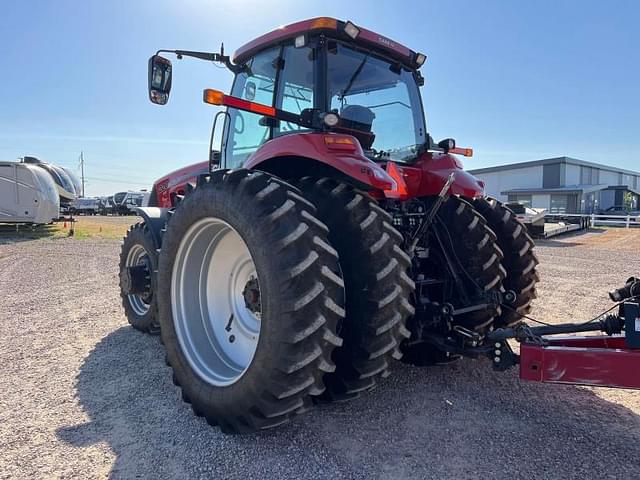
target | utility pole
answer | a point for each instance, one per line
(82, 170)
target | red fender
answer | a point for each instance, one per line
(428, 174)
(175, 182)
(339, 151)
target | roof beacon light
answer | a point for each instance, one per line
(300, 41)
(324, 22)
(420, 59)
(351, 30)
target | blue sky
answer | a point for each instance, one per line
(514, 80)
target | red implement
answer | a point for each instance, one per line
(601, 361)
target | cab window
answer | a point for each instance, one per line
(255, 84)
(295, 89)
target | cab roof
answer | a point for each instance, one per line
(333, 28)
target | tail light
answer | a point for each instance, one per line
(399, 191)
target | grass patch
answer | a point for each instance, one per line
(110, 228)
(9, 233)
(107, 228)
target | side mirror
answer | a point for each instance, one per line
(159, 80)
(447, 144)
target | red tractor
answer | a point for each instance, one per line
(327, 237)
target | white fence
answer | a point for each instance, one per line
(627, 221)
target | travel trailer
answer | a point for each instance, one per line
(126, 202)
(28, 194)
(86, 206)
(63, 180)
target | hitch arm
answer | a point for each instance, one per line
(426, 223)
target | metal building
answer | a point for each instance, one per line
(563, 185)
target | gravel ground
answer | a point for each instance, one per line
(84, 395)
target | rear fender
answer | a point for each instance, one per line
(155, 218)
(284, 156)
(427, 176)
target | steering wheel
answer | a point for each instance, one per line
(235, 123)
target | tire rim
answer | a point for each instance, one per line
(138, 256)
(215, 301)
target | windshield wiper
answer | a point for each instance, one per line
(354, 76)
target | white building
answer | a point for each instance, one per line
(562, 185)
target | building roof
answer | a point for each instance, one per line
(566, 189)
(547, 161)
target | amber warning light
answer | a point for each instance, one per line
(467, 152)
(216, 97)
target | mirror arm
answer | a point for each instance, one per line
(210, 57)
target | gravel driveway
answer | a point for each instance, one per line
(84, 395)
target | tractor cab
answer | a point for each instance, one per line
(361, 88)
(318, 75)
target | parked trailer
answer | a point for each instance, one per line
(86, 206)
(28, 194)
(532, 218)
(64, 181)
(126, 202)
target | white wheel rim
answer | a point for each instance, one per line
(137, 256)
(217, 332)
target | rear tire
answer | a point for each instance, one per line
(298, 304)
(519, 260)
(138, 249)
(475, 246)
(377, 286)
(477, 249)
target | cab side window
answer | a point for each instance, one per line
(255, 84)
(295, 89)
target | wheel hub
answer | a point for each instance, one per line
(135, 280)
(251, 294)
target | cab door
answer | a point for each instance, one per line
(246, 131)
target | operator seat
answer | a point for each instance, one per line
(357, 121)
(357, 117)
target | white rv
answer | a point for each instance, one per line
(28, 194)
(62, 179)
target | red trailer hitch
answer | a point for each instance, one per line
(598, 360)
(611, 360)
(548, 355)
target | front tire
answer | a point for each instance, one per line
(293, 290)
(138, 250)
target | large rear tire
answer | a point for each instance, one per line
(476, 248)
(519, 260)
(250, 298)
(377, 286)
(138, 250)
(473, 246)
